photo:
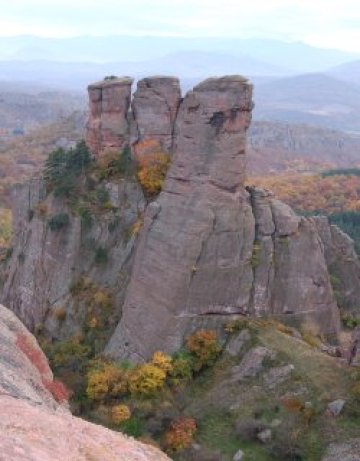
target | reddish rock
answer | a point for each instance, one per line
(108, 127)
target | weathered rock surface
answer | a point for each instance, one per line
(347, 451)
(252, 363)
(336, 407)
(24, 371)
(200, 230)
(45, 264)
(108, 126)
(33, 426)
(343, 263)
(154, 107)
(237, 342)
(277, 375)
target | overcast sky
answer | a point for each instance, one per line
(326, 23)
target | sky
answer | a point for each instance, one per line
(324, 23)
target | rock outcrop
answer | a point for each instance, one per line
(34, 426)
(108, 125)
(154, 107)
(209, 248)
(343, 263)
(47, 264)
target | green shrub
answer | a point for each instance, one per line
(63, 168)
(350, 321)
(101, 255)
(86, 216)
(68, 353)
(132, 427)
(58, 221)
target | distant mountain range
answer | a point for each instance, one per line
(349, 71)
(316, 99)
(294, 82)
(297, 57)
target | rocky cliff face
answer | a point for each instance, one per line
(47, 265)
(34, 426)
(208, 249)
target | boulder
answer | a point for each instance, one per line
(237, 342)
(335, 408)
(252, 363)
(239, 455)
(277, 375)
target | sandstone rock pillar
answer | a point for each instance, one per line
(193, 257)
(108, 127)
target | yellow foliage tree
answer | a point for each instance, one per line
(120, 413)
(162, 361)
(146, 379)
(152, 163)
(106, 380)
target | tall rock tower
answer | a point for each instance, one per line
(194, 263)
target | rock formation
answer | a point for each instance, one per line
(108, 127)
(34, 426)
(209, 247)
(46, 264)
(154, 106)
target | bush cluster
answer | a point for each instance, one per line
(152, 165)
(180, 434)
(205, 347)
(63, 168)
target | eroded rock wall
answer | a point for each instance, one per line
(108, 125)
(46, 264)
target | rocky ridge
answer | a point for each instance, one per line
(208, 249)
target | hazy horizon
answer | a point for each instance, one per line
(325, 24)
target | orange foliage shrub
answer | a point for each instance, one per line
(205, 346)
(120, 413)
(181, 434)
(106, 380)
(152, 164)
(293, 404)
(162, 361)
